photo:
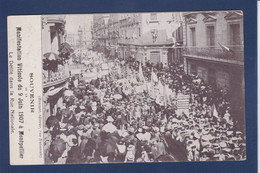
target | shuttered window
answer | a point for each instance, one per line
(235, 34)
(211, 35)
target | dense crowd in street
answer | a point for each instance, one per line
(131, 115)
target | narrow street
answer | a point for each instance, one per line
(119, 91)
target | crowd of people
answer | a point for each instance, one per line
(115, 118)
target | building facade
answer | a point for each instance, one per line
(175, 53)
(99, 30)
(80, 39)
(54, 80)
(113, 29)
(142, 36)
(53, 30)
(147, 36)
(214, 50)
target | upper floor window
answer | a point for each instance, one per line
(211, 35)
(193, 36)
(235, 34)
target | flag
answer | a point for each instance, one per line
(160, 87)
(147, 86)
(76, 82)
(140, 74)
(160, 98)
(154, 77)
(214, 111)
(166, 93)
(225, 48)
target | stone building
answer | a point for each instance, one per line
(175, 53)
(80, 39)
(142, 36)
(215, 51)
(54, 81)
(113, 31)
(146, 36)
(53, 31)
(100, 32)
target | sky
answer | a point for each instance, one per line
(73, 22)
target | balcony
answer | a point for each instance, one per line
(234, 56)
(54, 78)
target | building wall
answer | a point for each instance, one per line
(221, 29)
(46, 41)
(223, 74)
(163, 22)
(143, 31)
(52, 37)
(100, 30)
(130, 29)
(52, 33)
(228, 75)
(221, 21)
(113, 29)
(140, 33)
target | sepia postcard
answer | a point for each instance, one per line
(126, 87)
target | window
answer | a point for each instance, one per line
(154, 33)
(235, 34)
(193, 36)
(153, 16)
(211, 35)
(179, 35)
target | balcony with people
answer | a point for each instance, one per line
(51, 78)
(55, 66)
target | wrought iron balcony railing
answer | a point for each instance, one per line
(51, 78)
(230, 54)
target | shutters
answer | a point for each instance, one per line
(211, 36)
(235, 34)
(193, 36)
